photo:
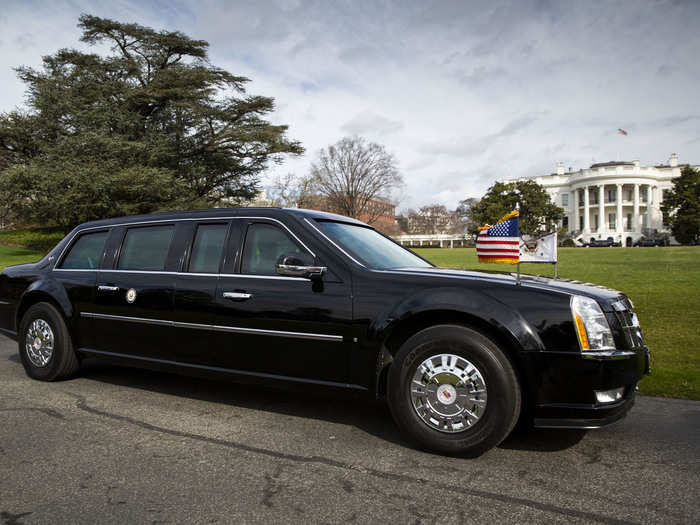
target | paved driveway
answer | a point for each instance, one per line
(130, 446)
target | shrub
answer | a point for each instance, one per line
(39, 239)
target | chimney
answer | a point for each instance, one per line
(560, 168)
(636, 163)
(673, 160)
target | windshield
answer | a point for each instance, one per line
(370, 247)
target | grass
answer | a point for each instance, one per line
(662, 283)
(10, 255)
(38, 239)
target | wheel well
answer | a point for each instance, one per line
(414, 324)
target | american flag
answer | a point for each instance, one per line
(621, 131)
(500, 242)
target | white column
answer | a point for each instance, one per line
(586, 214)
(650, 201)
(601, 208)
(620, 225)
(635, 218)
(576, 226)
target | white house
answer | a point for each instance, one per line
(618, 200)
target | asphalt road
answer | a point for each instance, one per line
(128, 446)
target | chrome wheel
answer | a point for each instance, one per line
(448, 393)
(39, 343)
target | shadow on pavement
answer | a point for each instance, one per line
(327, 404)
(322, 403)
(542, 439)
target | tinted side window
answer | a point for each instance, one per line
(146, 248)
(207, 248)
(86, 252)
(264, 244)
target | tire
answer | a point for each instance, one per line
(496, 411)
(44, 322)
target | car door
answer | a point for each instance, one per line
(277, 325)
(133, 306)
(76, 271)
(196, 287)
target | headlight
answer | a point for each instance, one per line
(591, 325)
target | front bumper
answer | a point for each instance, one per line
(567, 382)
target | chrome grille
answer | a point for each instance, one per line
(630, 328)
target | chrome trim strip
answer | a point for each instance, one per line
(141, 320)
(226, 218)
(227, 370)
(246, 275)
(4, 302)
(7, 332)
(608, 354)
(333, 243)
(216, 328)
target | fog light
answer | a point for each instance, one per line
(609, 396)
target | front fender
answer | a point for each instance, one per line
(473, 303)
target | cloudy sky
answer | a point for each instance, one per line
(462, 93)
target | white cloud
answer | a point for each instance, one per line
(462, 93)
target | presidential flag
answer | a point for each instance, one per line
(500, 243)
(545, 250)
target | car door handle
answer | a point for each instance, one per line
(237, 296)
(105, 288)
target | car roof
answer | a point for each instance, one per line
(271, 212)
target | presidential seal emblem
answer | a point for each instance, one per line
(130, 295)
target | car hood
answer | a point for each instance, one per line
(605, 296)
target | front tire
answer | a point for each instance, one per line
(45, 346)
(452, 390)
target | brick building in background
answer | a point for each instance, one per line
(383, 215)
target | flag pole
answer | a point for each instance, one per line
(517, 279)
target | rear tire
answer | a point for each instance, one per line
(45, 346)
(454, 391)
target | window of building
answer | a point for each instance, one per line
(146, 248)
(207, 248)
(86, 252)
(565, 199)
(629, 222)
(264, 243)
(580, 223)
(612, 195)
(565, 223)
(595, 222)
(611, 221)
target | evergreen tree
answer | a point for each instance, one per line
(151, 126)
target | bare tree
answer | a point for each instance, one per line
(431, 219)
(290, 190)
(356, 176)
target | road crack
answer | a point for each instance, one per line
(82, 404)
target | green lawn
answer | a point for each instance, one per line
(39, 239)
(10, 255)
(663, 283)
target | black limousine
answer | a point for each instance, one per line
(280, 295)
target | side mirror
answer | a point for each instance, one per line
(299, 265)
